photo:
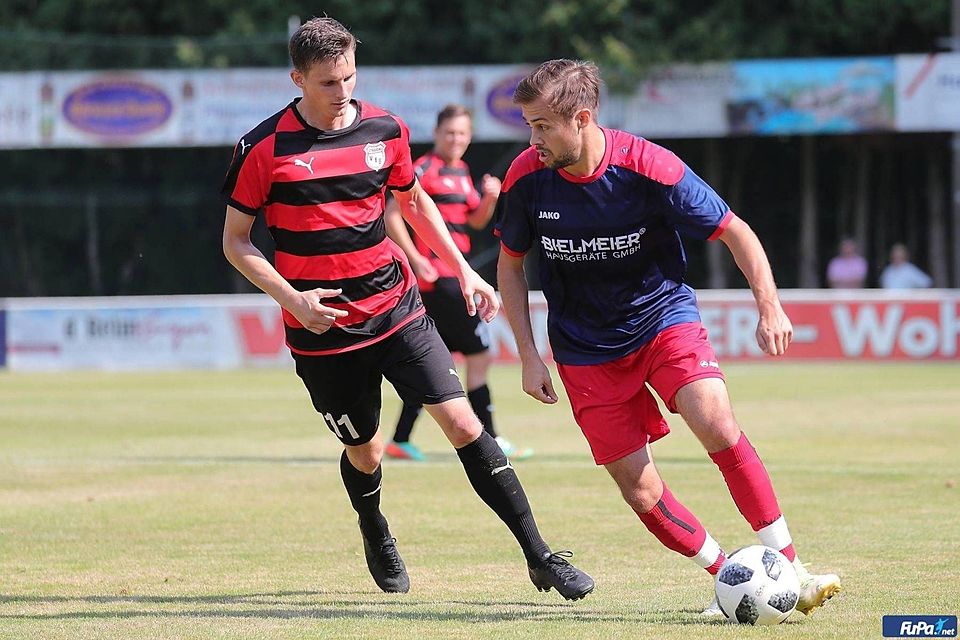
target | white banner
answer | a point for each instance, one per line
(20, 107)
(216, 107)
(679, 101)
(180, 332)
(928, 92)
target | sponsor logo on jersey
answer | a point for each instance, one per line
(589, 245)
(549, 215)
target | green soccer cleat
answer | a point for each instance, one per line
(404, 451)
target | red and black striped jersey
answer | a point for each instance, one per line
(322, 194)
(450, 186)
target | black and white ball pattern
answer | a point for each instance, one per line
(757, 585)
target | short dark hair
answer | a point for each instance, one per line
(566, 85)
(452, 111)
(319, 40)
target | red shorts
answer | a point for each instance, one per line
(611, 402)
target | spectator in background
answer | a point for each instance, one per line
(901, 273)
(848, 269)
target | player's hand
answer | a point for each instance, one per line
(313, 314)
(536, 381)
(774, 331)
(490, 185)
(479, 295)
(423, 267)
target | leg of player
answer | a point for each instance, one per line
(661, 513)
(401, 447)
(496, 482)
(705, 406)
(362, 478)
(479, 395)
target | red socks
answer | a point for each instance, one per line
(679, 530)
(753, 494)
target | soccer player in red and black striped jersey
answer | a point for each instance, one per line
(318, 171)
(604, 212)
(446, 178)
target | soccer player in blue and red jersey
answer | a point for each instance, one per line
(446, 178)
(604, 212)
(318, 171)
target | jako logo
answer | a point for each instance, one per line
(920, 626)
(549, 215)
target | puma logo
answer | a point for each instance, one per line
(307, 165)
(497, 470)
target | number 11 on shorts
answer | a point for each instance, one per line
(344, 421)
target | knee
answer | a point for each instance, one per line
(464, 429)
(366, 458)
(725, 434)
(643, 499)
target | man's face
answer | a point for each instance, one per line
(452, 138)
(556, 138)
(328, 86)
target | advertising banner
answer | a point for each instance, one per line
(928, 92)
(20, 96)
(815, 95)
(182, 108)
(246, 330)
(217, 107)
(676, 101)
(100, 334)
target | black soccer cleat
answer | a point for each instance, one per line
(386, 566)
(553, 571)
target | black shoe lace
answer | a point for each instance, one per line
(390, 558)
(558, 561)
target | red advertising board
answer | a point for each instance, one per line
(828, 325)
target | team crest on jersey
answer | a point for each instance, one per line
(376, 155)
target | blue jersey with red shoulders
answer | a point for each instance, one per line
(609, 245)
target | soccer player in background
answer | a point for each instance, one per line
(318, 171)
(604, 212)
(446, 178)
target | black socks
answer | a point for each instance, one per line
(495, 481)
(364, 492)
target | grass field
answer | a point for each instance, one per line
(209, 505)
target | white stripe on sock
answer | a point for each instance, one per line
(708, 553)
(367, 495)
(776, 534)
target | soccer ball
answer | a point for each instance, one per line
(757, 585)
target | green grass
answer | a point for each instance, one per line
(209, 505)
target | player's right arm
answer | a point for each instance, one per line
(306, 306)
(514, 293)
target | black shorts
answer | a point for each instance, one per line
(462, 333)
(345, 387)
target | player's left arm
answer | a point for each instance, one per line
(490, 189)
(774, 330)
(421, 213)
